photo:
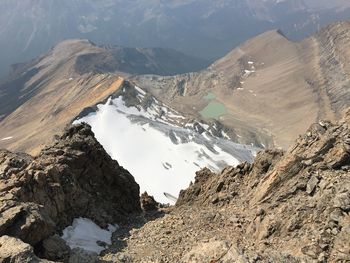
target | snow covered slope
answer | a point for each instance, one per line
(159, 146)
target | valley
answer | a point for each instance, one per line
(263, 94)
(161, 131)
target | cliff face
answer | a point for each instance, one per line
(72, 178)
(333, 47)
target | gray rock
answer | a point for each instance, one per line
(55, 248)
(311, 185)
(213, 251)
(79, 255)
(342, 201)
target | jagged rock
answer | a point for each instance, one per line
(291, 207)
(72, 178)
(55, 248)
(148, 203)
(210, 188)
(341, 249)
(13, 250)
(28, 221)
(311, 185)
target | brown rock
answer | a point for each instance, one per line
(214, 251)
(73, 178)
(79, 255)
(55, 248)
(148, 203)
(13, 250)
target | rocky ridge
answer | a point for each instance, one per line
(52, 89)
(286, 207)
(72, 178)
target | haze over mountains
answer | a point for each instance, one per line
(85, 127)
(265, 92)
(202, 28)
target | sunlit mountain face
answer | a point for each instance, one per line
(203, 28)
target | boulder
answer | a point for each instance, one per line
(79, 255)
(55, 248)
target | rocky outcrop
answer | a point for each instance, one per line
(72, 178)
(13, 250)
(285, 207)
(210, 188)
(297, 203)
(148, 203)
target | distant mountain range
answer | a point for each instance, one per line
(77, 81)
(83, 57)
(263, 93)
(202, 28)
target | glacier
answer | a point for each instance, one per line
(158, 146)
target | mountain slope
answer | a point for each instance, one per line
(265, 92)
(269, 89)
(161, 147)
(204, 28)
(83, 57)
(41, 97)
(78, 81)
(285, 207)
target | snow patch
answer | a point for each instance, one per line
(85, 234)
(6, 138)
(160, 153)
(141, 91)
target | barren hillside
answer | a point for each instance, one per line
(270, 88)
(40, 98)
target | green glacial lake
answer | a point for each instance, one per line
(213, 110)
(209, 96)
